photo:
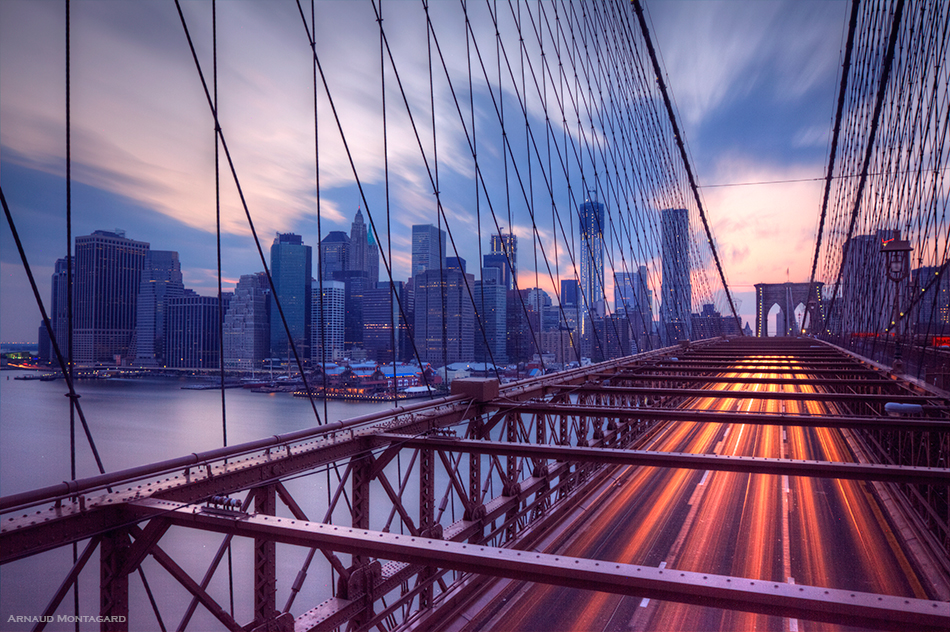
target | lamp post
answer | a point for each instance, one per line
(897, 266)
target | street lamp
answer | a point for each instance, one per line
(897, 266)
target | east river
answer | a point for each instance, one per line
(133, 422)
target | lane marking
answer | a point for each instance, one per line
(646, 600)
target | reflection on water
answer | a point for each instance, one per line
(134, 422)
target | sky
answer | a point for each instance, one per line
(754, 83)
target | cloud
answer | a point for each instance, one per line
(769, 228)
(718, 53)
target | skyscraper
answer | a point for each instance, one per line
(491, 306)
(380, 313)
(676, 288)
(444, 316)
(334, 254)
(326, 321)
(246, 324)
(161, 280)
(58, 315)
(428, 248)
(591, 222)
(633, 299)
(290, 263)
(191, 331)
(363, 254)
(504, 254)
(108, 273)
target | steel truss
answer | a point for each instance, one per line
(426, 499)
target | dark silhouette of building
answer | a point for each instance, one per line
(676, 288)
(161, 280)
(444, 316)
(191, 331)
(58, 315)
(428, 248)
(385, 331)
(108, 274)
(491, 306)
(247, 324)
(334, 254)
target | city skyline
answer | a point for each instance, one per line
(679, 28)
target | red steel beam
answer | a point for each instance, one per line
(795, 601)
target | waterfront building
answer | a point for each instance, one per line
(191, 331)
(58, 315)
(381, 314)
(161, 280)
(444, 316)
(676, 286)
(247, 324)
(491, 306)
(328, 310)
(428, 248)
(290, 267)
(107, 277)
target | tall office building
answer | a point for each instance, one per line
(108, 274)
(326, 321)
(363, 254)
(591, 218)
(290, 267)
(504, 256)
(570, 293)
(864, 282)
(381, 314)
(58, 315)
(444, 316)
(247, 324)
(334, 254)
(931, 314)
(161, 280)
(633, 300)
(428, 248)
(676, 287)
(491, 306)
(191, 331)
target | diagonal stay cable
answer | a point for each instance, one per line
(679, 142)
(73, 396)
(247, 212)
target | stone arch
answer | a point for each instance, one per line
(787, 296)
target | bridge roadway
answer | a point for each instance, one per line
(815, 531)
(835, 541)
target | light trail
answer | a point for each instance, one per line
(821, 532)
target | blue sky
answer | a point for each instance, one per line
(754, 83)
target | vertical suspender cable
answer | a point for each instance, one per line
(869, 149)
(217, 218)
(682, 148)
(842, 89)
(69, 291)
